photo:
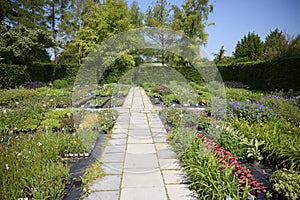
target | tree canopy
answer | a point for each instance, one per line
(69, 30)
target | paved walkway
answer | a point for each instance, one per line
(138, 161)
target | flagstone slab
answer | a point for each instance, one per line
(113, 157)
(110, 182)
(142, 179)
(144, 193)
(104, 195)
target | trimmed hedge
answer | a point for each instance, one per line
(280, 73)
(12, 76)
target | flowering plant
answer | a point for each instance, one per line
(243, 174)
(251, 111)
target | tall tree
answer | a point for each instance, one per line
(250, 47)
(192, 19)
(159, 16)
(28, 13)
(136, 15)
(55, 12)
(99, 22)
(195, 15)
(276, 44)
(294, 47)
(220, 55)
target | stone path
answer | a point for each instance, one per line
(138, 161)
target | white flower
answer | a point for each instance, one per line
(51, 99)
(17, 103)
(39, 144)
(7, 166)
(44, 105)
(29, 152)
(69, 114)
(63, 129)
(19, 154)
(4, 111)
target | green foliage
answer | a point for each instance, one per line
(229, 139)
(16, 75)
(243, 95)
(136, 15)
(106, 120)
(250, 47)
(58, 84)
(281, 143)
(209, 179)
(100, 21)
(276, 44)
(13, 76)
(30, 166)
(284, 108)
(219, 56)
(286, 182)
(194, 19)
(22, 45)
(117, 69)
(280, 73)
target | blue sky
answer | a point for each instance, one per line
(235, 18)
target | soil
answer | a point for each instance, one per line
(262, 173)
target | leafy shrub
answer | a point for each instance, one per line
(58, 84)
(169, 99)
(163, 90)
(281, 144)
(286, 183)
(229, 139)
(106, 120)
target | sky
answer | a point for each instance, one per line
(235, 18)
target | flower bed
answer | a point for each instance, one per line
(241, 172)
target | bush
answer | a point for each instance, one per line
(286, 183)
(58, 84)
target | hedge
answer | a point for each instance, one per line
(280, 73)
(12, 76)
